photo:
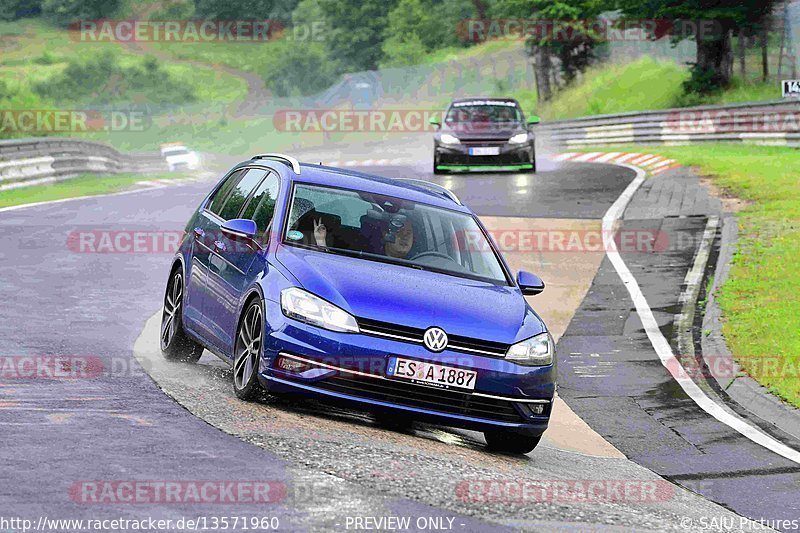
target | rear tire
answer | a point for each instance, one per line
(175, 343)
(247, 352)
(508, 442)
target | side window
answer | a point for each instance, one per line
(218, 200)
(240, 193)
(262, 205)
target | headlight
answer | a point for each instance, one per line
(446, 138)
(304, 306)
(536, 351)
(519, 138)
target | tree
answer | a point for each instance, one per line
(564, 40)
(65, 12)
(16, 9)
(417, 27)
(710, 23)
(280, 10)
(355, 30)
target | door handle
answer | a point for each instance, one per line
(219, 246)
(199, 233)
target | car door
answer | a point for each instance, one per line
(229, 261)
(201, 231)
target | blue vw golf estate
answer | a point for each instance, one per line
(386, 294)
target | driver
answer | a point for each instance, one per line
(404, 240)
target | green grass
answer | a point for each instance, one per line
(759, 300)
(642, 85)
(83, 185)
(454, 53)
(32, 51)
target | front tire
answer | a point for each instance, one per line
(508, 442)
(532, 170)
(247, 352)
(175, 343)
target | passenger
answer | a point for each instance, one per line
(403, 241)
(320, 233)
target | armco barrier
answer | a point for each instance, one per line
(774, 122)
(29, 160)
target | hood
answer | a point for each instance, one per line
(410, 297)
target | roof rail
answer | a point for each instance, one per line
(434, 187)
(294, 163)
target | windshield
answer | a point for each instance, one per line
(484, 111)
(175, 151)
(392, 230)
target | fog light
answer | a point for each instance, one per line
(291, 365)
(534, 409)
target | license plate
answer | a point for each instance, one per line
(485, 150)
(445, 377)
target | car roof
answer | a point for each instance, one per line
(480, 98)
(413, 189)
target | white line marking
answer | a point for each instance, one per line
(662, 163)
(626, 157)
(650, 161)
(607, 157)
(565, 156)
(660, 343)
(586, 157)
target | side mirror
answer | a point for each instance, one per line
(241, 228)
(533, 120)
(434, 121)
(529, 284)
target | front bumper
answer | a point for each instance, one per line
(456, 157)
(350, 368)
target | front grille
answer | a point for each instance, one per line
(484, 142)
(455, 342)
(511, 158)
(420, 396)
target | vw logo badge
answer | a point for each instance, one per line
(435, 339)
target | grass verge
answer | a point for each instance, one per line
(83, 185)
(643, 84)
(759, 300)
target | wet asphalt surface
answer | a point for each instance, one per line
(118, 425)
(610, 375)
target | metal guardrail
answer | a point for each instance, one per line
(773, 122)
(25, 161)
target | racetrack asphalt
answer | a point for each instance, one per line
(119, 425)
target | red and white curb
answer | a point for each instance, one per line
(654, 164)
